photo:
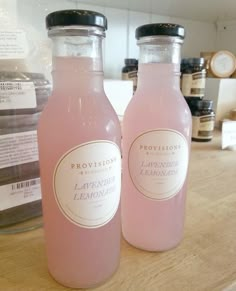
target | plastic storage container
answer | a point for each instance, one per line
(24, 91)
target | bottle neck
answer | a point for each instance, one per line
(77, 59)
(157, 75)
(159, 62)
(77, 73)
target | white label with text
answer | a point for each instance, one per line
(17, 95)
(18, 148)
(13, 44)
(203, 126)
(158, 163)
(228, 134)
(193, 85)
(19, 193)
(87, 182)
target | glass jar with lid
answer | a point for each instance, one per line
(203, 120)
(193, 77)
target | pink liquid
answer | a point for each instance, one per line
(77, 112)
(154, 225)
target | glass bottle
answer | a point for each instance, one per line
(79, 150)
(156, 144)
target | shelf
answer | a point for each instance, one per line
(223, 94)
(201, 10)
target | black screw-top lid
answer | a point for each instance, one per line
(131, 62)
(193, 61)
(204, 104)
(76, 17)
(168, 29)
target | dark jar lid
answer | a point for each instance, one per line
(193, 61)
(204, 104)
(76, 17)
(158, 29)
(131, 62)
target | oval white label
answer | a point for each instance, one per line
(87, 182)
(158, 163)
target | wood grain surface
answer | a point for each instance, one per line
(205, 259)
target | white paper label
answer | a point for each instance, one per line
(228, 134)
(13, 44)
(87, 182)
(18, 148)
(19, 193)
(158, 163)
(203, 126)
(193, 85)
(132, 76)
(17, 95)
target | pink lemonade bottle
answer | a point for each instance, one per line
(80, 161)
(156, 144)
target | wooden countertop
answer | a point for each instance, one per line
(205, 260)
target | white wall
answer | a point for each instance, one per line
(120, 41)
(7, 6)
(226, 36)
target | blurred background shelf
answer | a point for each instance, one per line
(223, 93)
(210, 26)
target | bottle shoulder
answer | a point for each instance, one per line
(142, 115)
(93, 111)
(153, 101)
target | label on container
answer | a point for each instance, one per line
(13, 44)
(17, 95)
(158, 163)
(131, 76)
(193, 85)
(228, 134)
(87, 183)
(18, 148)
(203, 126)
(19, 193)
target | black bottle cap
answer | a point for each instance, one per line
(131, 62)
(76, 17)
(204, 104)
(165, 29)
(193, 61)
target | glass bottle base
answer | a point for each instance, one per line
(150, 249)
(85, 286)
